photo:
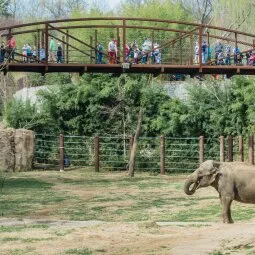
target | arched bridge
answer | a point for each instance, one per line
(143, 45)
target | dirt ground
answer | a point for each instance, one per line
(95, 237)
(106, 199)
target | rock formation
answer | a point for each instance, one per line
(16, 149)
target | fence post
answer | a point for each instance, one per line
(222, 156)
(240, 151)
(230, 148)
(201, 149)
(162, 154)
(96, 151)
(251, 150)
(61, 152)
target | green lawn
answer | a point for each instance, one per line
(110, 196)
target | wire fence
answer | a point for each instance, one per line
(46, 149)
(155, 154)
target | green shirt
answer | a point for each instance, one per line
(52, 46)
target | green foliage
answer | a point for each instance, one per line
(97, 104)
(4, 8)
(221, 108)
(49, 79)
(19, 114)
(105, 104)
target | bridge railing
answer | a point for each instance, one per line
(175, 41)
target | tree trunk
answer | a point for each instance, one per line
(131, 168)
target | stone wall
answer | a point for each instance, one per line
(16, 149)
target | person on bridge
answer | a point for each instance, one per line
(99, 53)
(248, 55)
(24, 53)
(218, 49)
(238, 56)
(59, 54)
(11, 46)
(196, 60)
(127, 52)
(42, 54)
(209, 53)
(228, 54)
(29, 52)
(204, 52)
(52, 52)
(2, 52)
(34, 54)
(252, 59)
(112, 51)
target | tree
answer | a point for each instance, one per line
(202, 10)
(234, 16)
(131, 164)
(5, 8)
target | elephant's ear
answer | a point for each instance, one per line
(215, 171)
(216, 165)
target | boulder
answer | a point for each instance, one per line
(16, 149)
(24, 141)
(6, 149)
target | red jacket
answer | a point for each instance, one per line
(11, 43)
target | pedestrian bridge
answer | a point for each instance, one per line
(179, 44)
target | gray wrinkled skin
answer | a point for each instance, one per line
(232, 180)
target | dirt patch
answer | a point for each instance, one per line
(129, 238)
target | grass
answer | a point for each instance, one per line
(9, 229)
(85, 195)
(79, 251)
(243, 248)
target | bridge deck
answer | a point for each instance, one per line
(139, 68)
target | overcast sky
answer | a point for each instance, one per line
(113, 3)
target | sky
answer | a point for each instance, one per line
(113, 3)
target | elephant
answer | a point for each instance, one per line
(232, 180)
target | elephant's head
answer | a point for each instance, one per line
(204, 176)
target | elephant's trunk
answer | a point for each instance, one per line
(190, 180)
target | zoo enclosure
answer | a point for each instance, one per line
(158, 154)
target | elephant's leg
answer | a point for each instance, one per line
(226, 212)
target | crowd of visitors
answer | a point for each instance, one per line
(29, 54)
(148, 52)
(224, 54)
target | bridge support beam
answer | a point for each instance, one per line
(95, 45)
(67, 46)
(46, 46)
(200, 47)
(38, 44)
(123, 41)
(191, 49)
